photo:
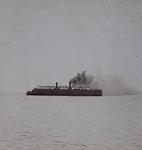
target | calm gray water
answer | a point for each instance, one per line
(70, 123)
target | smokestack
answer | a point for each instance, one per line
(56, 85)
(69, 85)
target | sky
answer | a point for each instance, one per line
(44, 41)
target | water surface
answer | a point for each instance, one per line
(70, 123)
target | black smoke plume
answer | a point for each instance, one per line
(82, 79)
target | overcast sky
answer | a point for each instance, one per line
(44, 41)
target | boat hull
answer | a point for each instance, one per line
(65, 92)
